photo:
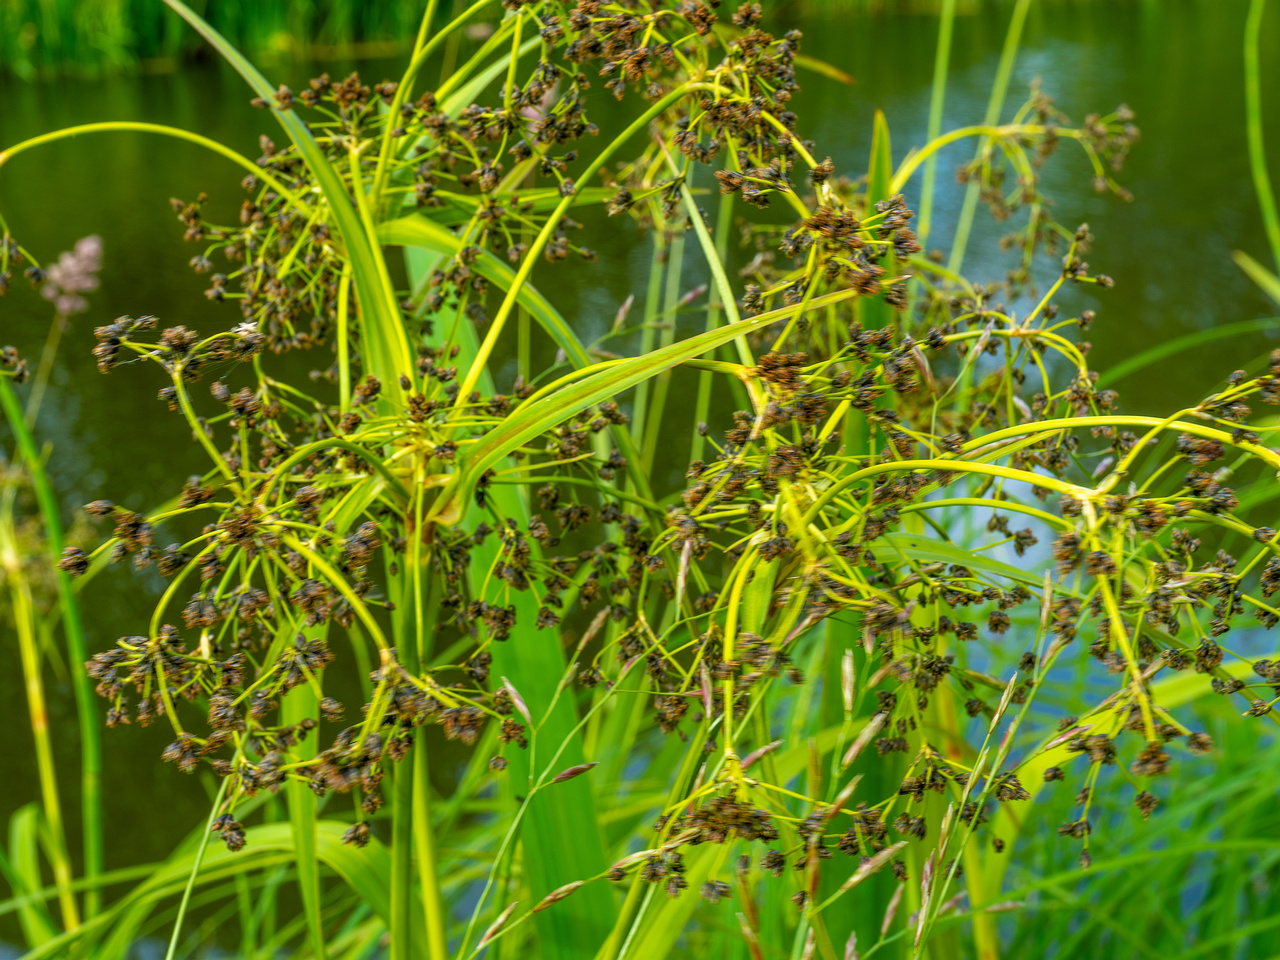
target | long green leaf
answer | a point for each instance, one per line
(382, 331)
(47, 893)
(77, 648)
(365, 870)
(1008, 55)
(660, 925)
(1161, 351)
(893, 546)
(824, 69)
(876, 312)
(560, 833)
(549, 408)
(298, 705)
(24, 874)
(418, 231)
(937, 98)
(1253, 123)
(1259, 274)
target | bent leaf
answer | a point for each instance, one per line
(1259, 274)
(1161, 351)
(418, 231)
(541, 412)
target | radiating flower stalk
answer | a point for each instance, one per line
(470, 530)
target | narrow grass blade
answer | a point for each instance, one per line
(897, 545)
(937, 99)
(24, 874)
(196, 863)
(364, 870)
(77, 649)
(876, 313)
(1259, 274)
(22, 607)
(1253, 124)
(1162, 351)
(559, 834)
(660, 926)
(301, 704)
(824, 69)
(553, 405)
(383, 332)
(994, 105)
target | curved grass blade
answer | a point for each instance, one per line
(917, 547)
(824, 69)
(1162, 351)
(301, 704)
(937, 98)
(416, 230)
(1253, 124)
(660, 925)
(365, 870)
(196, 863)
(383, 331)
(23, 874)
(994, 105)
(550, 407)
(1259, 274)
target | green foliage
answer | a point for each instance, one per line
(700, 712)
(92, 36)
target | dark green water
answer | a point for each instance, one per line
(1176, 62)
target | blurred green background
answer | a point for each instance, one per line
(41, 38)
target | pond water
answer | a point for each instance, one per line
(1177, 63)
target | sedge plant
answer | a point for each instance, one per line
(477, 668)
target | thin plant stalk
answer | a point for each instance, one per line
(401, 926)
(24, 617)
(302, 705)
(1008, 56)
(667, 336)
(702, 405)
(660, 260)
(195, 870)
(77, 653)
(937, 99)
(41, 381)
(1253, 126)
(434, 914)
